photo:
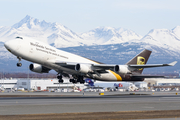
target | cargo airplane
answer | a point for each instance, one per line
(46, 58)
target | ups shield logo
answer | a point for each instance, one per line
(140, 61)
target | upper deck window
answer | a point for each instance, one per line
(19, 37)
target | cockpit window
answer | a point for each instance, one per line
(19, 37)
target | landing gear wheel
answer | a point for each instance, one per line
(82, 82)
(77, 79)
(19, 64)
(60, 79)
(74, 81)
(71, 80)
(81, 79)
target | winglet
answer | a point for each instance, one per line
(173, 63)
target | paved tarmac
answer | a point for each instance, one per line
(3, 94)
(92, 103)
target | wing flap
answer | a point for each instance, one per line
(66, 65)
(103, 66)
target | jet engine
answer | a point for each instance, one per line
(121, 69)
(38, 68)
(83, 68)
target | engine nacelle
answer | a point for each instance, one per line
(83, 68)
(38, 68)
(121, 69)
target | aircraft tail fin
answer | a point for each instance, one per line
(140, 59)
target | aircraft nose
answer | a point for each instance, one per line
(10, 45)
(6, 45)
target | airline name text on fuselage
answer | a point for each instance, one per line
(40, 46)
(46, 50)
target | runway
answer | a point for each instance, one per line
(76, 104)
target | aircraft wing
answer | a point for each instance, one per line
(111, 67)
(66, 65)
(103, 67)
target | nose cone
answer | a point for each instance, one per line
(7, 45)
(10, 45)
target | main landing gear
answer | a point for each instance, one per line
(19, 64)
(60, 78)
(77, 79)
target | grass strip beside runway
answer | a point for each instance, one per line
(97, 115)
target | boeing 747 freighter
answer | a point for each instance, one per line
(46, 58)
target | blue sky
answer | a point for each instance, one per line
(83, 15)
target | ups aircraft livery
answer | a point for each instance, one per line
(46, 58)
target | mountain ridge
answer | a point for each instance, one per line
(60, 36)
(105, 44)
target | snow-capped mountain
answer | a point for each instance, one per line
(176, 31)
(104, 44)
(168, 39)
(110, 35)
(52, 33)
(60, 36)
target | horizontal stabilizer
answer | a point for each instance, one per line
(173, 63)
(153, 65)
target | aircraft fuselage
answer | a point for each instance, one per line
(46, 55)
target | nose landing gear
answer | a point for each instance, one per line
(19, 64)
